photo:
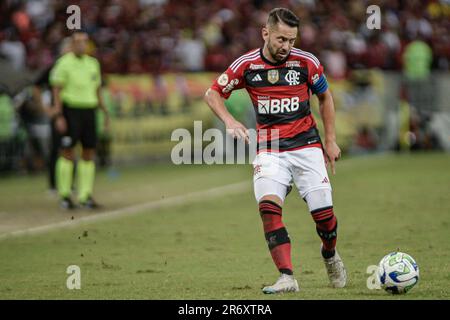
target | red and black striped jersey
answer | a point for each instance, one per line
(280, 94)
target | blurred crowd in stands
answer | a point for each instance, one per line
(155, 36)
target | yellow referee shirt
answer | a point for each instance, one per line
(79, 79)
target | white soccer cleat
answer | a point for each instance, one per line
(336, 271)
(285, 283)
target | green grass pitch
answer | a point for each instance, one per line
(213, 247)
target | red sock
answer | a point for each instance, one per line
(326, 226)
(276, 235)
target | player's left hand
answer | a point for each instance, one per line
(237, 130)
(333, 153)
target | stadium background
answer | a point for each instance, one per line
(158, 57)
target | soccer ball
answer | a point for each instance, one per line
(398, 272)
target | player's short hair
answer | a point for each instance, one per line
(283, 15)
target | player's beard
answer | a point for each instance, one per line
(275, 54)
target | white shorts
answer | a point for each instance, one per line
(304, 167)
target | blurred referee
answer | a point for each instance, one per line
(76, 82)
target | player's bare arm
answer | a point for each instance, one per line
(57, 99)
(60, 122)
(327, 112)
(233, 127)
(102, 107)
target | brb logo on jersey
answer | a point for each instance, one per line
(293, 77)
(274, 106)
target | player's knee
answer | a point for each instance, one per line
(67, 153)
(268, 189)
(321, 207)
(318, 199)
(88, 154)
(271, 213)
(274, 229)
(271, 198)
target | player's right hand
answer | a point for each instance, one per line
(237, 130)
(61, 124)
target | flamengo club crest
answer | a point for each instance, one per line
(273, 76)
(293, 77)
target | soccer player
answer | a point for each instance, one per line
(76, 81)
(280, 79)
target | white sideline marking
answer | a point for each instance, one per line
(166, 202)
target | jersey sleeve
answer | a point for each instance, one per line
(317, 81)
(228, 81)
(58, 74)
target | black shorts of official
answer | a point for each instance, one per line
(81, 127)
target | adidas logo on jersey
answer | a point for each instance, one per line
(257, 78)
